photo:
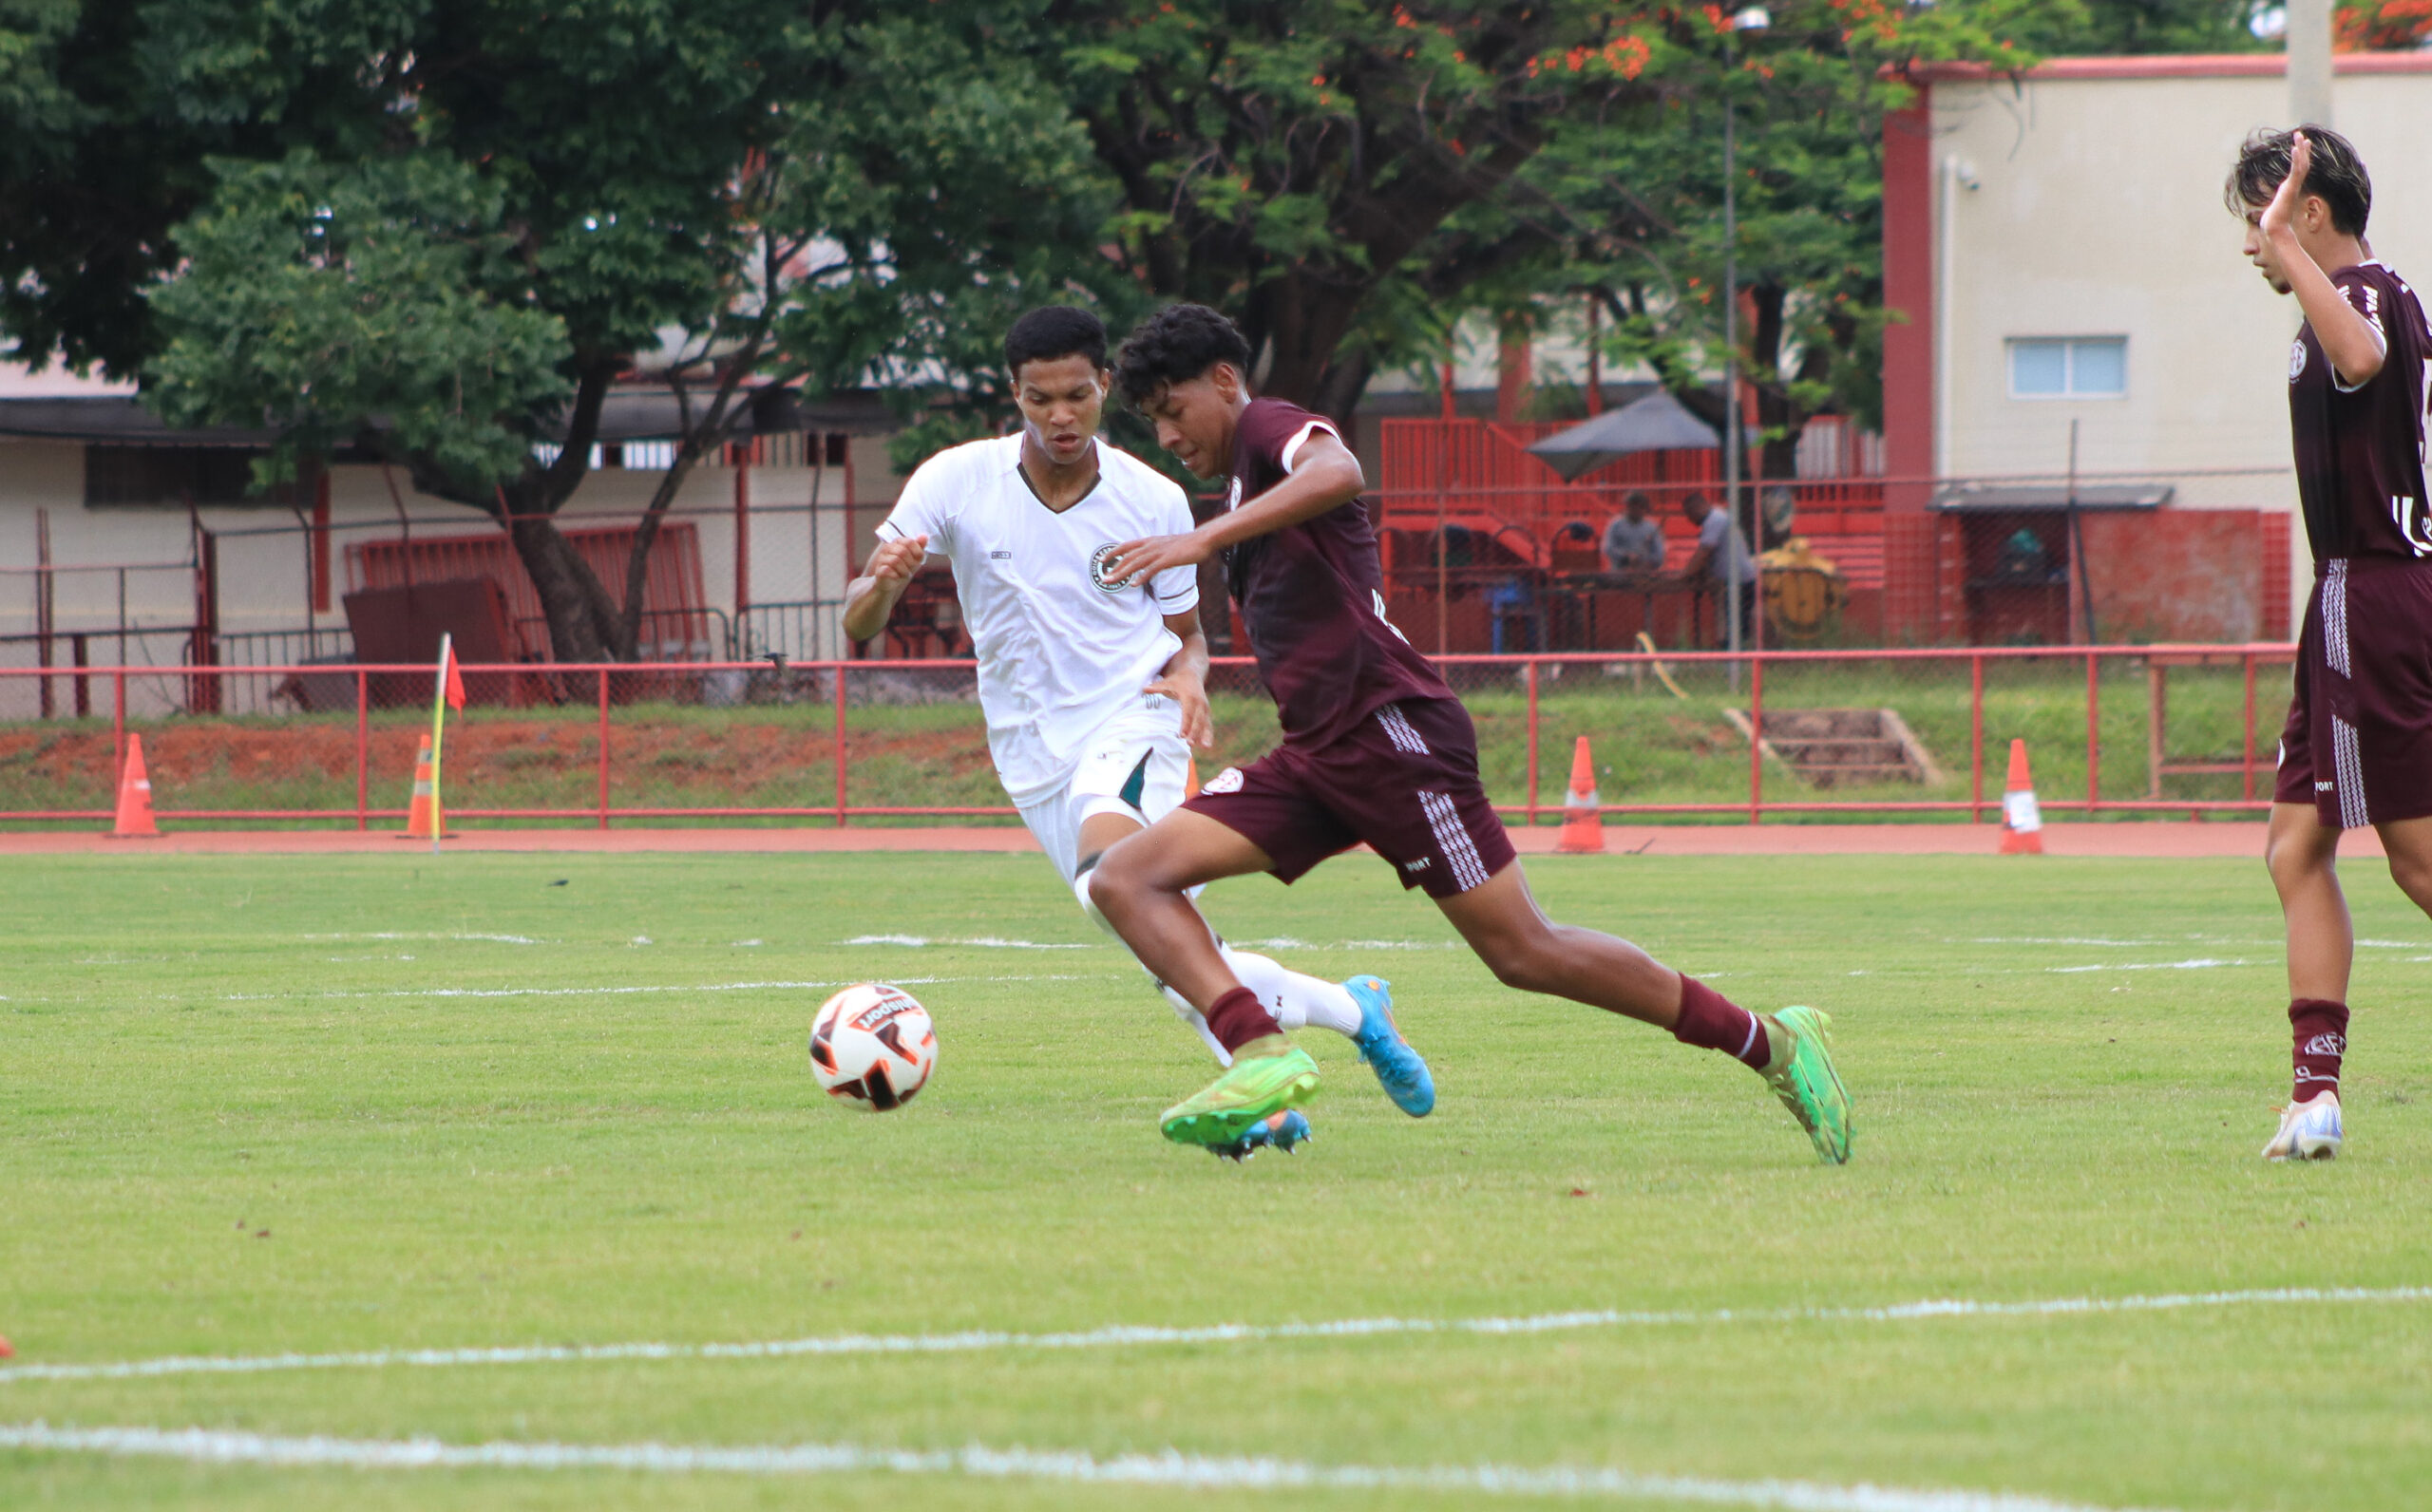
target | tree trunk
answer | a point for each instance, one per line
(1294, 324)
(1779, 416)
(583, 623)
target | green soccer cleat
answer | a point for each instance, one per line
(1246, 1095)
(1803, 1078)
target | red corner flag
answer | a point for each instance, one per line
(455, 684)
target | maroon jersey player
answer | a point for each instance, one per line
(2357, 748)
(1375, 748)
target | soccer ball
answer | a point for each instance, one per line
(872, 1047)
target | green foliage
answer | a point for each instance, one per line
(318, 300)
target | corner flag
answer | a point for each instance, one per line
(449, 694)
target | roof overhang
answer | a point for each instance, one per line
(1985, 499)
(2182, 65)
(625, 415)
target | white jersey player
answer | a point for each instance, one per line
(1093, 688)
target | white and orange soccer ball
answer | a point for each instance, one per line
(872, 1047)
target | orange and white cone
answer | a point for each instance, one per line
(134, 797)
(1190, 777)
(423, 818)
(1583, 826)
(2021, 822)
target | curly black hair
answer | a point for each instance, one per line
(1052, 332)
(2336, 173)
(1174, 346)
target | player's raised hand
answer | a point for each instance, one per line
(895, 561)
(2279, 217)
(1185, 688)
(1138, 561)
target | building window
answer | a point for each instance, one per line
(2069, 367)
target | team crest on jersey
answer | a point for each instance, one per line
(2296, 358)
(1101, 564)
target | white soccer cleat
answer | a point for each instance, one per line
(2308, 1131)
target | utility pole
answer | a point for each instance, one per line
(1753, 21)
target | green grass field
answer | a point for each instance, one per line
(263, 1105)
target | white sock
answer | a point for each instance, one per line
(1296, 1001)
(1197, 1020)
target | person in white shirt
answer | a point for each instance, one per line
(1722, 554)
(1093, 689)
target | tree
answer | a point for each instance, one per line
(1298, 164)
(2384, 26)
(442, 231)
(1630, 205)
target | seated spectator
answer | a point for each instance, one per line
(1634, 544)
(1722, 557)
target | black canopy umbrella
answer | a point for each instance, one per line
(1655, 423)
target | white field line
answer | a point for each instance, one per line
(617, 992)
(1164, 1467)
(986, 942)
(1287, 942)
(501, 940)
(2202, 963)
(1133, 1335)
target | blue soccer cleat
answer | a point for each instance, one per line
(1398, 1068)
(1279, 1131)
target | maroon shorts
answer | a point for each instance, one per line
(1405, 781)
(2358, 745)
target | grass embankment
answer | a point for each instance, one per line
(1650, 745)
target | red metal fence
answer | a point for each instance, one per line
(1703, 736)
(673, 593)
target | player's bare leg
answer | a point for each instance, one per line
(1524, 949)
(2303, 855)
(1143, 891)
(1512, 935)
(1142, 888)
(1296, 999)
(2409, 843)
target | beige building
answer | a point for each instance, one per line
(118, 537)
(2061, 249)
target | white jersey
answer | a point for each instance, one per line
(1060, 650)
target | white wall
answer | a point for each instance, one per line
(2098, 213)
(264, 578)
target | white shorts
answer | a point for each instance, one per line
(1135, 764)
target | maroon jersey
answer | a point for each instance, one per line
(1312, 595)
(2360, 451)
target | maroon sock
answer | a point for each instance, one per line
(1713, 1022)
(2318, 1041)
(1239, 1017)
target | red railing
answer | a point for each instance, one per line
(609, 688)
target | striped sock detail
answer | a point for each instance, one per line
(1453, 839)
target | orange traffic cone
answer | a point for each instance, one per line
(1189, 778)
(134, 797)
(1583, 827)
(2021, 822)
(423, 819)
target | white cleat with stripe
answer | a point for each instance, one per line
(2308, 1131)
